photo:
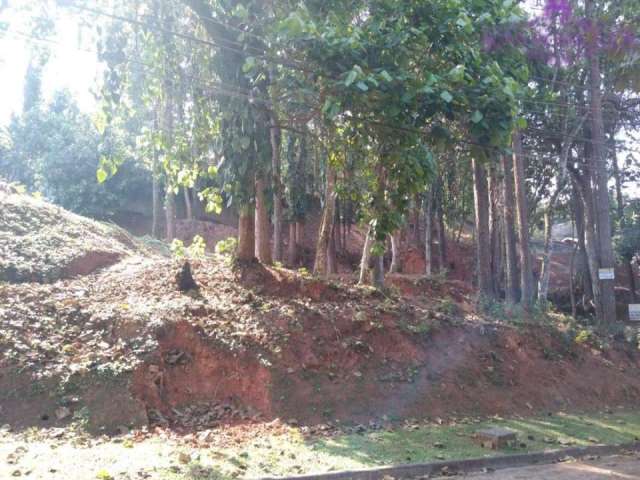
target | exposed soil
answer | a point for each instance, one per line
(253, 344)
(40, 242)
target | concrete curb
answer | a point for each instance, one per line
(468, 466)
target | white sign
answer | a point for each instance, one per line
(634, 312)
(606, 274)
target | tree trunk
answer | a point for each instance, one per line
(483, 242)
(345, 247)
(572, 287)
(364, 260)
(582, 267)
(378, 271)
(442, 234)
(632, 281)
(526, 271)
(395, 252)
(428, 234)
(618, 183)
(293, 245)
(167, 131)
(495, 229)
(300, 232)
(155, 194)
(545, 269)
(246, 234)
(320, 266)
(332, 261)
(416, 220)
(275, 137)
(187, 203)
(590, 243)
(509, 221)
(170, 214)
(263, 249)
(196, 208)
(337, 230)
(599, 168)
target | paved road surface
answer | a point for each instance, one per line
(609, 468)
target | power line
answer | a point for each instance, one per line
(261, 53)
(219, 87)
(258, 52)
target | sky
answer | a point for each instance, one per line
(73, 63)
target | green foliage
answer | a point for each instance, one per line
(194, 251)
(104, 475)
(627, 241)
(304, 272)
(584, 336)
(54, 149)
(227, 246)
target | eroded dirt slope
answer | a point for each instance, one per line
(122, 345)
(40, 242)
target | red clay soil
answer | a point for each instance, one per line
(90, 262)
(211, 232)
(376, 357)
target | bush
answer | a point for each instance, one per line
(195, 250)
(584, 336)
(227, 246)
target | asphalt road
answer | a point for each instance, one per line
(619, 467)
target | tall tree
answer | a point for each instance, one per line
(509, 222)
(598, 166)
(522, 210)
(483, 241)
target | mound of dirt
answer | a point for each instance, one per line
(40, 242)
(255, 343)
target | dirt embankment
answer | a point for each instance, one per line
(257, 343)
(387, 359)
(40, 242)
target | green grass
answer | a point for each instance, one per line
(292, 453)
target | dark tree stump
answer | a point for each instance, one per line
(184, 278)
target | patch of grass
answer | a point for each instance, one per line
(293, 454)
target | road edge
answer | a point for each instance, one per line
(469, 465)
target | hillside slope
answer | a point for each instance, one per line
(40, 242)
(122, 345)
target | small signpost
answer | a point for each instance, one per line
(634, 312)
(606, 274)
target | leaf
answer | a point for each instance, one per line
(457, 73)
(477, 116)
(385, 75)
(101, 175)
(362, 86)
(331, 108)
(241, 12)
(249, 63)
(104, 475)
(521, 122)
(446, 96)
(351, 77)
(294, 24)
